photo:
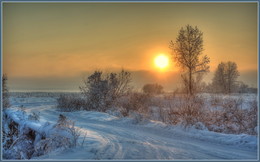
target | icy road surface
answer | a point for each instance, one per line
(110, 137)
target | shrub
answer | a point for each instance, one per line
(101, 92)
(135, 102)
(138, 118)
(10, 132)
(251, 118)
(17, 149)
(233, 118)
(69, 126)
(15, 140)
(65, 136)
(188, 111)
(69, 103)
(153, 89)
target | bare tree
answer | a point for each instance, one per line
(5, 92)
(219, 80)
(225, 77)
(186, 51)
(232, 75)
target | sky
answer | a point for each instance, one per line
(52, 46)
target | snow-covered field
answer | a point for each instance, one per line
(111, 137)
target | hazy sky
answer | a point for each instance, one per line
(50, 46)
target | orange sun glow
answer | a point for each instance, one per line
(161, 61)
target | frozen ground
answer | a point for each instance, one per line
(110, 137)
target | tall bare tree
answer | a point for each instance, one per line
(186, 52)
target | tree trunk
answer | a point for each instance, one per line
(190, 82)
(229, 87)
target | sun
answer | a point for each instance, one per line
(161, 61)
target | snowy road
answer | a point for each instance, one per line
(137, 142)
(109, 137)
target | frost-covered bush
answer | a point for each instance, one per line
(10, 132)
(163, 114)
(55, 143)
(188, 111)
(135, 101)
(68, 103)
(68, 126)
(15, 141)
(97, 92)
(138, 118)
(64, 135)
(102, 91)
(226, 114)
(21, 148)
(20, 141)
(232, 117)
(251, 118)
